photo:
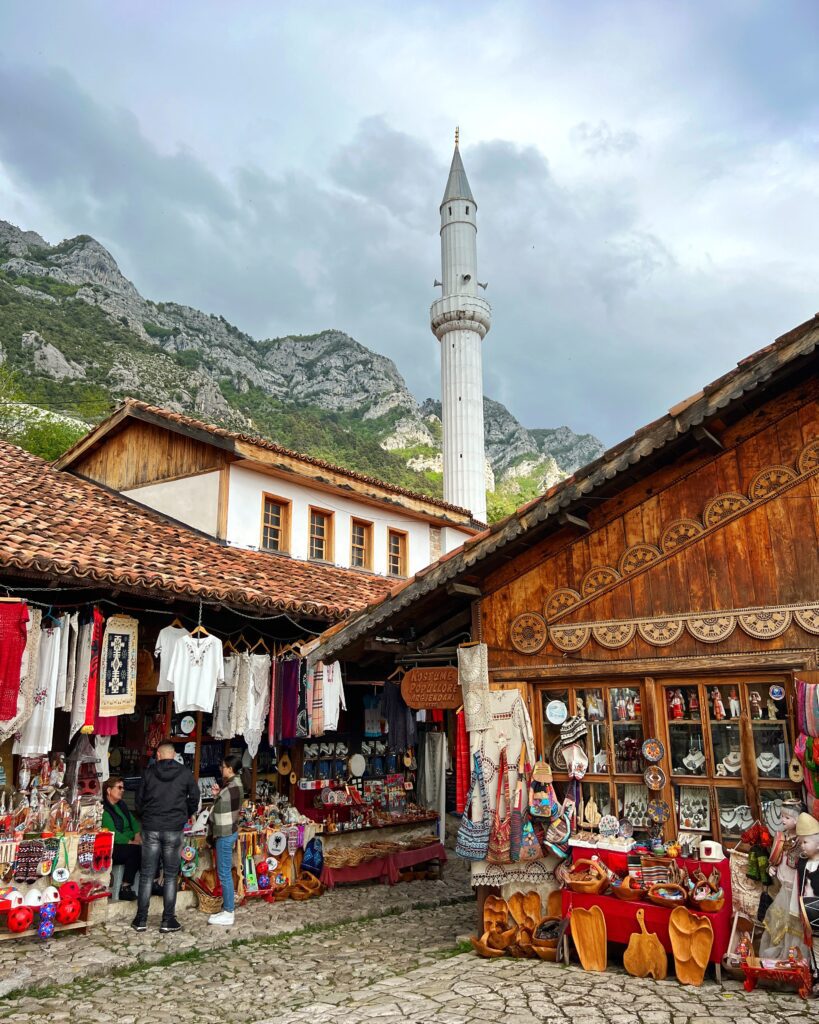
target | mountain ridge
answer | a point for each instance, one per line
(78, 336)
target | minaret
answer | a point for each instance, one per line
(459, 321)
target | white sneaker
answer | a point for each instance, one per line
(224, 917)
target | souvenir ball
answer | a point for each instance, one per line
(263, 881)
(262, 868)
(19, 919)
(48, 911)
(68, 911)
(45, 929)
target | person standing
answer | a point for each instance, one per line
(223, 830)
(168, 797)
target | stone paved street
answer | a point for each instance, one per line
(402, 965)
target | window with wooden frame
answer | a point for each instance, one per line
(396, 553)
(613, 783)
(275, 523)
(320, 535)
(729, 742)
(361, 544)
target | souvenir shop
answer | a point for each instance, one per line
(639, 779)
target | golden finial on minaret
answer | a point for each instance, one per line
(457, 132)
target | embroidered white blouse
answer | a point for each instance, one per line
(196, 669)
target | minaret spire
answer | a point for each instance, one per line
(460, 321)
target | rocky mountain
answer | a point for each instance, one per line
(76, 336)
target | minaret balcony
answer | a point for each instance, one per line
(460, 313)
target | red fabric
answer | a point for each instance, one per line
(13, 619)
(462, 764)
(409, 858)
(621, 916)
(383, 868)
(105, 726)
(94, 672)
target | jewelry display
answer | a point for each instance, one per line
(694, 808)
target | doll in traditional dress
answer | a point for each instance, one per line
(694, 705)
(756, 704)
(782, 928)
(733, 702)
(719, 707)
(677, 705)
(807, 829)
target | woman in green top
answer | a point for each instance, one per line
(127, 833)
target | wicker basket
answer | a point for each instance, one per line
(208, 903)
(658, 897)
(591, 881)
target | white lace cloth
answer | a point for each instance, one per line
(473, 676)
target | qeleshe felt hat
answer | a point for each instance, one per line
(807, 825)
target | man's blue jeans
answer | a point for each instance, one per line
(170, 844)
(224, 862)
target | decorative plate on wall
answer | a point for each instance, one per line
(528, 633)
(654, 777)
(556, 712)
(653, 750)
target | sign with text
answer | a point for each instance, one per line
(432, 688)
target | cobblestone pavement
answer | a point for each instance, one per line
(405, 965)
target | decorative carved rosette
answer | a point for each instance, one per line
(724, 506)
(569, 638)
(809, 457)
(769, 480)
(559, 600)
(681, 531)
(614, 635)
(598, 577)
(661, 632)
(765, 624)
(637, 556)
(808, 619)
(712, 629)
(528, 633)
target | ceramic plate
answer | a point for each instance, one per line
(357, 766)
(654, 777)
(626, 828)
(658, 811)
(187, 725)
(653, 751)
(276, 843)
(609, 825)
(556, 712)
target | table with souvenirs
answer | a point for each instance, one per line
(55, 858)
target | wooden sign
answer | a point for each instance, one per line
(432, 688)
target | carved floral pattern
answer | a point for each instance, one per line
(723, 506)
(711, 629)
(597, 578)
(765, 624)
(614, 635)
(770, 480)
(569, 638)
(680, 532)
(559, 601)
(637, 556)
(661, 632)
(528, 633)
(809, 457)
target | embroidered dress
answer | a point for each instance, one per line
(164, 647)
(333, 695)
(221, 728)
(13, 619)
(238, 712)
(196, 670)
(257, 701)
(68, 624)
(71, 667)
(28, 678)
(35, 737)
(118, 669)
(81, 670)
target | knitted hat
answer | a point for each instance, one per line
(572, 730)
(807, 825)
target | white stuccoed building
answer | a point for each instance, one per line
(460, 320)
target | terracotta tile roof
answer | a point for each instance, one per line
(57, 524)
(746, 377)
(135, 406)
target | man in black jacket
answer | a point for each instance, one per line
(168, 797)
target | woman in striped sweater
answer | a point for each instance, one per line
(223, 830)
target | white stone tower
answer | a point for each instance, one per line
(460, 319)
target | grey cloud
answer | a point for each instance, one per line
(601, 140)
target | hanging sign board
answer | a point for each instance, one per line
(432, 688)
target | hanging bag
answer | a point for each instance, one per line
(543, 803)
(500, 837)
(473, 836)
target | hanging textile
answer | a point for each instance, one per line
(278, 700)
(164, 649)
(258, 696)
(372, 716)
(35, 736)
(271, 714)
(221, 728)
(195, 671)
(290, 698)
(473, 677)
(118, 668)
(318, 699)
(333, 696)
(29, 667)
(307, 683)
(13, 619)
(302, 730)
(462, 762)
(432, 776)
(402, 732)
(81, 670)
(101, 745)
(238, 712)
(71, 667)
(67, 623)
(97, 624)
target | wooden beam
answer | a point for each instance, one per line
(567, 519)
(464, 589)
(384, 648)
(703, 434)
(446, 628)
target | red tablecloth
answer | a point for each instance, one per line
(386, 869)
(621, 916)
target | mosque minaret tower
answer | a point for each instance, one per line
(459, 320)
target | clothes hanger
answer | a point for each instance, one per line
(400, 670)
(199, 631)
(176, 622)
(228, 646)
(260, 642)
(471, 643)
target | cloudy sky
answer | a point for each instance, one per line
(647, 175)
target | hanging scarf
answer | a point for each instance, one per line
(93, 672)
(118, 667)
(13, 619)
(271, 716)
(28, 678)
